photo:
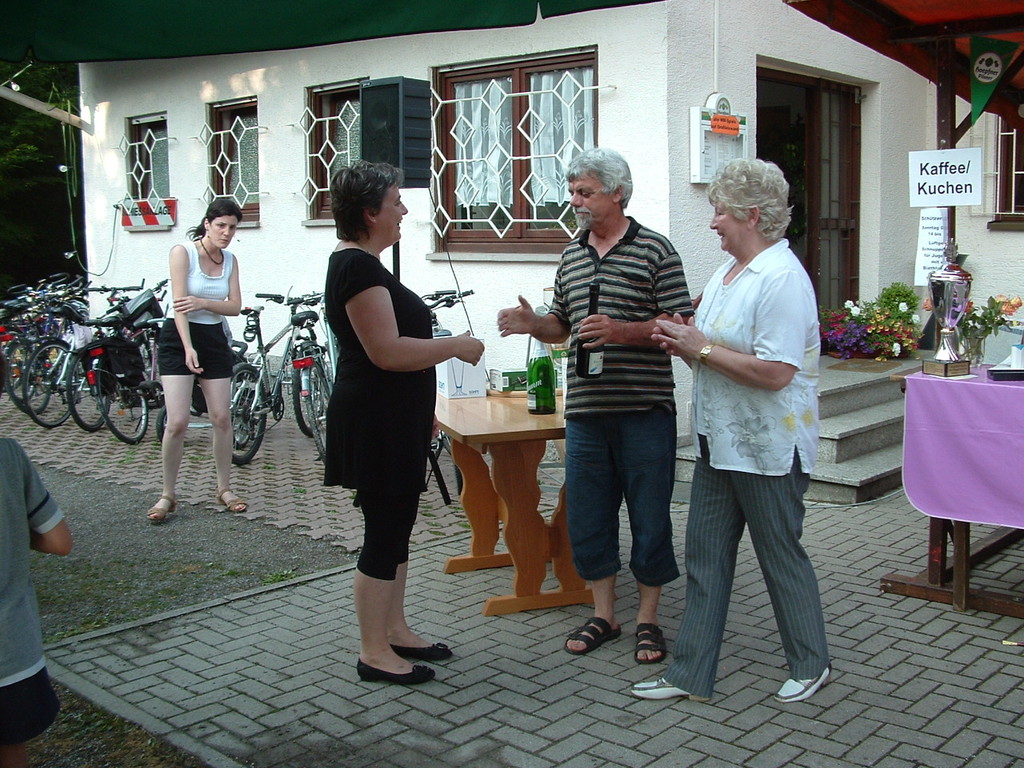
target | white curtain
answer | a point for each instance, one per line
(566, 128)
(483, 143)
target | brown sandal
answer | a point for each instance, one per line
(158, 515)
(235, 505)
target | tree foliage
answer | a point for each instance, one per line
(40, 206)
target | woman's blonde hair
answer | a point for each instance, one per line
(743, 185)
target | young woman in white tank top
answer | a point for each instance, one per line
(205, 288)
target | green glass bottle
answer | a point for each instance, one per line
(540, 379)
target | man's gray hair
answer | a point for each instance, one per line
(605, 165)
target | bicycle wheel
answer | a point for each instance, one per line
(444, 443)
(17, 352)
(83, 399)
(44, 384)
(300, 417)
(160, 422)
(248, 415)
(314, 399)
(125, 409)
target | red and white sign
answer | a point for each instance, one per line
(149, 213)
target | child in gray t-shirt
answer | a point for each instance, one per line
(29, 519)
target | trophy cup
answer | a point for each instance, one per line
(950, 287)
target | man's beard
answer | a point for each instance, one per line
(583, 218)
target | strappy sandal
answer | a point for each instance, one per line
(158, 515)
(649, 637)
(592, 634)
(235, 505)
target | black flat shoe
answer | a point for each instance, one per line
(435, 652)
(419, 674)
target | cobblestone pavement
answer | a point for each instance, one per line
(283, 483)
(266, 678)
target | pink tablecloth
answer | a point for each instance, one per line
(963, 449)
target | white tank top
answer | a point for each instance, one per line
(203, 286)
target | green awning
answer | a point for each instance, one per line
(116, 30)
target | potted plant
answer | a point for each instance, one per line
(881, 329)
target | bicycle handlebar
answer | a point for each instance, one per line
(445, 298)
(310, 299)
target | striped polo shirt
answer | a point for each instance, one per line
(641, 277)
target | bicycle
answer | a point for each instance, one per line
(44, 394)
(118, 370)
(442, 443)
(256, 389)
(34, 315)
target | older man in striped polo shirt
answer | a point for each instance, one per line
(621, 425)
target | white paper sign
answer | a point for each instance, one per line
(931, 243)
(945, 177)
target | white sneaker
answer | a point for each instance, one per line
(662, 689)
(798, 690)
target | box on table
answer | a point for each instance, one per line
(507, 381)
(456, 379)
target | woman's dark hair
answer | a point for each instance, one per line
(356, 188)
(222, 206)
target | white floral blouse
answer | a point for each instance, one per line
(768, 310)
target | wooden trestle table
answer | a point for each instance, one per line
(505, 498)
(962, 441)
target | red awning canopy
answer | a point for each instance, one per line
(933, 38)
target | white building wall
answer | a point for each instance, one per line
(655, 61)
(281, 254)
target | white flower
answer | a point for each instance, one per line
(896, 349)
(903, 306)
(849, 304)
(915, 318)
(854, 310)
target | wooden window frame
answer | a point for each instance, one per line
(222, 117)
(521, 237)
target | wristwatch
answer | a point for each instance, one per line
(705, 352)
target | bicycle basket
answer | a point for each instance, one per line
(124, 360)
(142, 308)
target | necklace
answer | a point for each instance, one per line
(217, 263)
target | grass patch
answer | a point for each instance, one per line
(277, 577)
(87, 737)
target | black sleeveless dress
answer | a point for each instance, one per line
(378, 422)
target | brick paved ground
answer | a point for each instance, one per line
(267, 679)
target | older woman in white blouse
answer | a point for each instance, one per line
(753, 347)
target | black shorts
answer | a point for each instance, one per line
(27, 708)
(211, 345)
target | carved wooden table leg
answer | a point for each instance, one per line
(481, 503)
(527, 536)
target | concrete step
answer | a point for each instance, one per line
(859, 479)
(855, 433)
(850, 385)
(860, 451)
(862, 478)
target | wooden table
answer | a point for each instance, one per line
(507, 494)
(962, 441)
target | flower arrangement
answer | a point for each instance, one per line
(884, 328)
(985, 320)
(982, 321)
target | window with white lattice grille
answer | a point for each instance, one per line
(503, 136)
(232, 138)
(333, 140)
(145, 152)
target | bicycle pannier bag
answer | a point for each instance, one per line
(124, 360)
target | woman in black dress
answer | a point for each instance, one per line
(381, 416)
